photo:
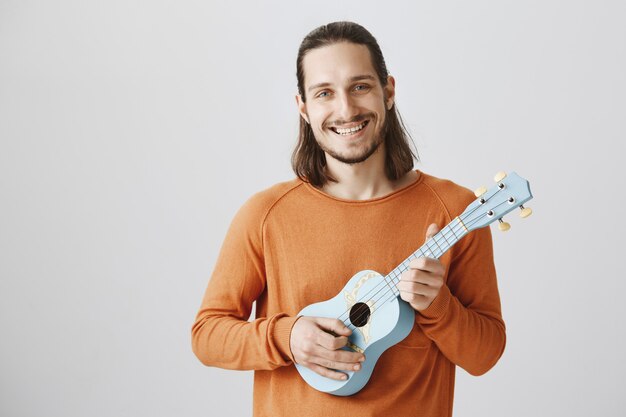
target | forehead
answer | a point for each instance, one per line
(337, 63)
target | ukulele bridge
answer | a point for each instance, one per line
(354, 347)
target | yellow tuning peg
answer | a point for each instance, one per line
(480, 191)
(526, 211)
(503, 226)
(499, 176)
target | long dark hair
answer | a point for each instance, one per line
(308, 159)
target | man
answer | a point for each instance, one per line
(357, 204)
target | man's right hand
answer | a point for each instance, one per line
(316, 343)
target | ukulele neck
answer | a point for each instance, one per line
(433, 248)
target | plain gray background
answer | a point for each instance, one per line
(132, 131)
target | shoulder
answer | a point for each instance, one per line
(248, 222)
(259, 205)
(264, 200)
(454, 198)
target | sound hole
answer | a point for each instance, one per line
(359, 314)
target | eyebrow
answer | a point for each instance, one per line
(352, 79)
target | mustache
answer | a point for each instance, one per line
(355, 119)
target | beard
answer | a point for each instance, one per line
(355, 159)
(364, 154)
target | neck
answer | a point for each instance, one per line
(365, 180)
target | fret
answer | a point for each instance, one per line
(443, 235)
(434, 239)
(435, 247)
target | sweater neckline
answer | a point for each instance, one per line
(420, 176)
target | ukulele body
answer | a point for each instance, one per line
(378, 318)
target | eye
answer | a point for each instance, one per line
(361, 88)
(323, 94)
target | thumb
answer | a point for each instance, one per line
(432, 230)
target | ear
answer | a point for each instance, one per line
(302, 108)
(390, 92)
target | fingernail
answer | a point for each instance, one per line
(344, 377)
(357, 367)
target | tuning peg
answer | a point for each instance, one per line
(499, 176)
(503, 226)
(480, 191)
(526, 211)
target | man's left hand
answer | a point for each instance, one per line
(420, 284)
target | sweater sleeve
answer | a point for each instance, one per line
(222, 336)
(465, 319)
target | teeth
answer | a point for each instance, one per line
(351, 130)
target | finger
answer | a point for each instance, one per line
(416, 288)
(420, 279)
(330, 342)
(427, 264)
(320, 370)
(333, 325)
(345, 356)
(431, 230)
(414, 299)
(336, 365)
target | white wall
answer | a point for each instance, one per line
(130, 133)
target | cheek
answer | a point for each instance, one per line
(317, 117)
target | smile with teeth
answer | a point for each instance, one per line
(349, 131)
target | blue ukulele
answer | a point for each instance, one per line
(370, 304)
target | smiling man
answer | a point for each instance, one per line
(346, 112)
(356, 203)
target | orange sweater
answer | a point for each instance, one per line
(292, 245)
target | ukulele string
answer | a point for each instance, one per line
(385, 283)
(432, 249)
(388, 285)
(463, 218)
(389, 289)
(446, 232)
(393, 293)
(449, 232)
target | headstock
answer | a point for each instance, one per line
(510, 192)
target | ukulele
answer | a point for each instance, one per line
(370, 304)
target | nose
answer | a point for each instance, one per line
(346, 107)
